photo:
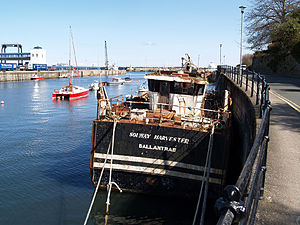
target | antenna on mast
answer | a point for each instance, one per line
(106, 58)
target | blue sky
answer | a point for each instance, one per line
(138, 32)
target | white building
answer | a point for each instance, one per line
(37, 57)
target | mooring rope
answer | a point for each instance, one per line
(96, 190)
(206, 169)
(110, 183)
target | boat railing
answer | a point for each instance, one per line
(162, 113)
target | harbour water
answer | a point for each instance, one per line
(44, 161)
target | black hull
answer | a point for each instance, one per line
(159, 160)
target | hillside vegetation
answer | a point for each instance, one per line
(275, 25)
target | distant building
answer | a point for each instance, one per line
(37, 57)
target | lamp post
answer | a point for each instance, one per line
(241, 49)
(220, 54)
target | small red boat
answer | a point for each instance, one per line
(70, 92)
(37, 77)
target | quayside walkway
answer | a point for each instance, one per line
(281, 202)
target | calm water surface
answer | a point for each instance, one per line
(44, 161)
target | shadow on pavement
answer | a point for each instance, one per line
(283, 79)
(282, 114)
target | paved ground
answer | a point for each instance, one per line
(281, 203)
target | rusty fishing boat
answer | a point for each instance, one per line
(158, 142)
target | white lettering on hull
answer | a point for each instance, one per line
(157, 147)
(158, 137)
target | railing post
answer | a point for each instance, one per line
(130, 107)
(261, 101)
(267, 96)
(237, 76)
(264, 161)
(257, 89)
(160, 119)
(234, 74)
(241, 78)
(247, 78)
(252, 86)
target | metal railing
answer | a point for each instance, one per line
(14, 55)
(253, 83)
(239, 202)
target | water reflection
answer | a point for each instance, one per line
(131, 208)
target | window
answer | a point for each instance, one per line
(153, 85)
(32, 55)
(199, 89)
(164, 87)
(36, 55)
(176, 88)
(187, 88)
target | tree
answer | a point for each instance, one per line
(264, 17)
(247, 59)
(286, 35)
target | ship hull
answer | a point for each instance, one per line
(156, 159)
(37, 78)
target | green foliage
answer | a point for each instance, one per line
(267, 22)
(285, 41)
(296, 51)
(287, 34)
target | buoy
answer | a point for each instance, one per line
(2, 102)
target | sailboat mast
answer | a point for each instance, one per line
(71, 34)
(70, 52)
(70, 44)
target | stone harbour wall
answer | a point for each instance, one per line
(26, 75)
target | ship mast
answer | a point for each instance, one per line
(106, 58)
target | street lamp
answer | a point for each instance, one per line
(241, 49)
(220, 54)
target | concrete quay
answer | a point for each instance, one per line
(26, 75)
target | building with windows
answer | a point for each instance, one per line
(37, 57)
